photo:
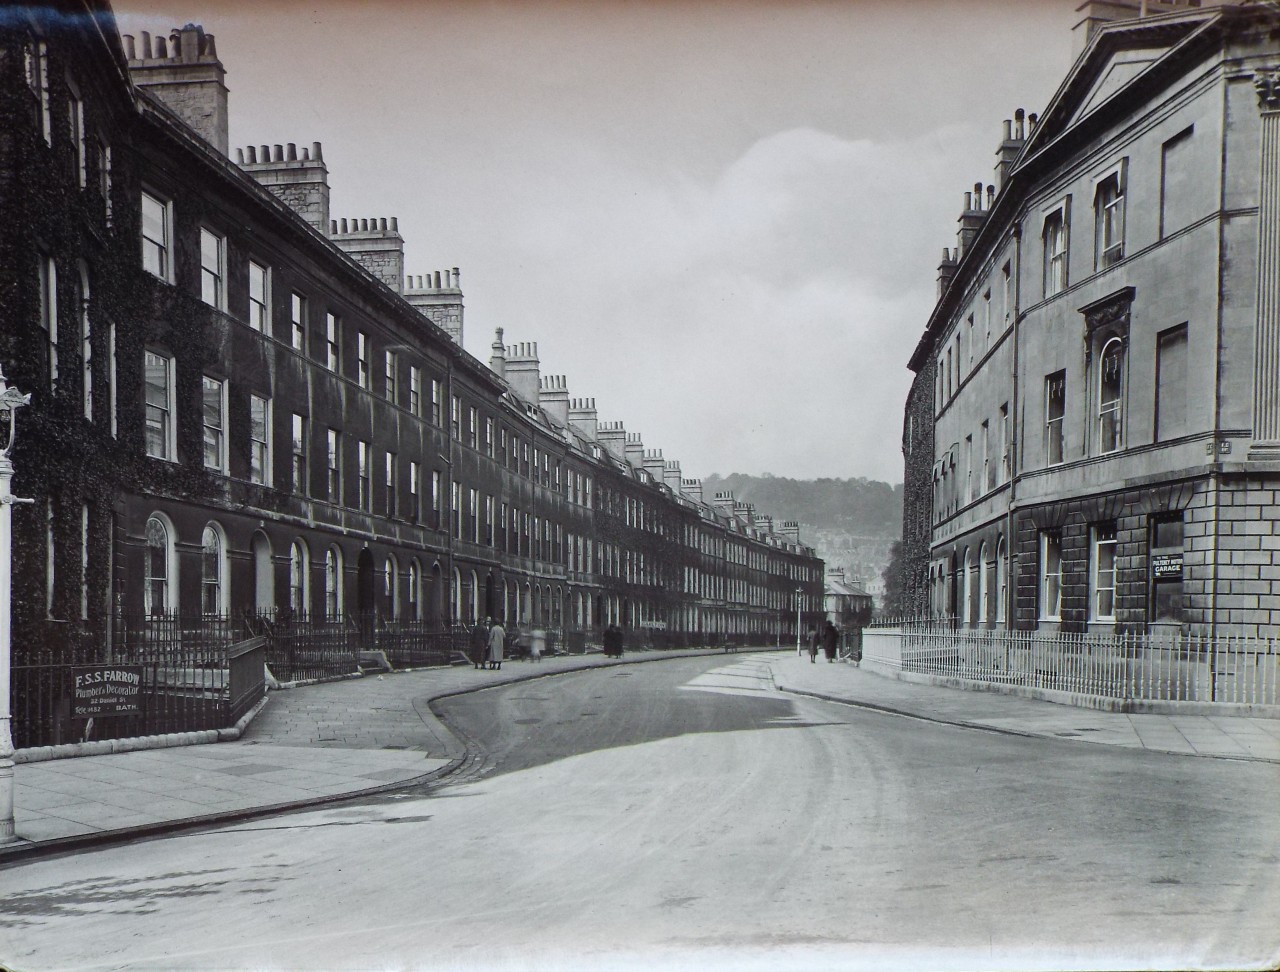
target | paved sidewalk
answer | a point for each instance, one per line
(308, 745)
(356, 736)
(1231, 737)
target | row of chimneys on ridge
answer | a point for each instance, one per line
(519, 365)
(978, 203)
(186, 75)
(1094, 14)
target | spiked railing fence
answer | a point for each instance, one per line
(192, 674)
(1133, 666)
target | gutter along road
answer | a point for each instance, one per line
(688, 813)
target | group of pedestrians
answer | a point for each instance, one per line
(827, 639)
(488, 642)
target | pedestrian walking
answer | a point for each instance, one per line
(537, 641)
(497, 639)
(813, 639)
(480, 642)
(830, 638)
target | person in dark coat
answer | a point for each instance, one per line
(613, 641)
(813, 640)
(480, 642)
(830, 638)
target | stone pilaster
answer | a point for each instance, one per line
(1266, 383)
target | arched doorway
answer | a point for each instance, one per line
(364, 582)
(264, 574)
(490, 598)
(435, 595)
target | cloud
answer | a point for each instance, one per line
(761, 321)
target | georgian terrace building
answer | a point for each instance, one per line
(242, 405)
(1093, 433)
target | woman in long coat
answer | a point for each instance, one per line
(497, 636)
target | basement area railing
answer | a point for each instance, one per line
(1128, 666)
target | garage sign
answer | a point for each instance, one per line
(1166, 566)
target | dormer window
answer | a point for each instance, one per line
(1109, 199)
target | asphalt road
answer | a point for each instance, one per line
(684, 815)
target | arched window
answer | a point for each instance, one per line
(415, 590)
(391, 587)
(159, 583)
(333, 583)
(299, 578)
(1002, 582)
(86, 340)
(1111, 396)
(473, 598)
(966, 601)
(457, 594)
(213, 572)
(983, 612)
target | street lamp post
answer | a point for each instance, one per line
(798, 593)
(10, 401)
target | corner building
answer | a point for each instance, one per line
(1097, 392)
(243, 406)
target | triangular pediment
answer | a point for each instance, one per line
(1119, 71)
(1120, 55)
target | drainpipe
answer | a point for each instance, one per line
(447, 407)
(1015, 426)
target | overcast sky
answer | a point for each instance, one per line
(722, 219)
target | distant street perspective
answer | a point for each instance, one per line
(689, 812)
(836, 526)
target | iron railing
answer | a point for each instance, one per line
(190, 677)
(1129, 666)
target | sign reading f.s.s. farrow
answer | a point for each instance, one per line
(106, 690)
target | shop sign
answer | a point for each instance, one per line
(107, 690)
(655, 625)
(1166, 566)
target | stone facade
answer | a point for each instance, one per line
(1105, 412)
(244, 415)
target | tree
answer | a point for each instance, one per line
(897, 601)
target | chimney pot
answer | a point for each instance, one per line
(291, 152)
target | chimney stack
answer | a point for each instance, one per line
(299, 179)
(553, 396)
(671, 475)
(613, 436)
(498, 355)
(972, 218)
(633, 450)
(654, 464)
(1010, 147)
(375, 244)
(522, 371)
(791, 530)
(947, 269)
(692, 488)
(439, 297)
(188, 79)
(582, 416)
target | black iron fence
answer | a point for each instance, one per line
(143, 677)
